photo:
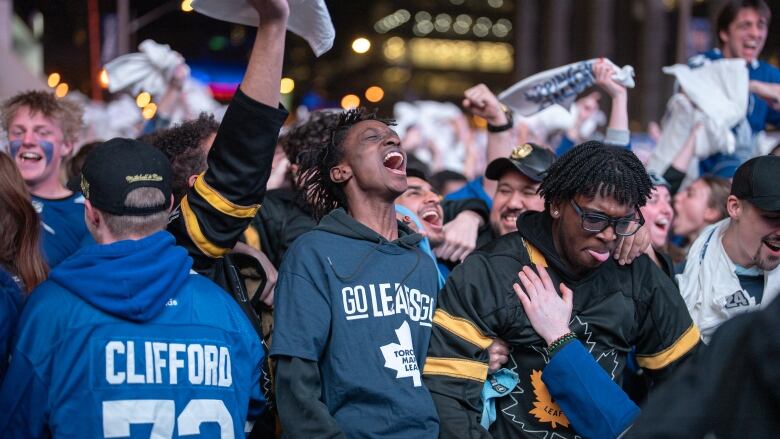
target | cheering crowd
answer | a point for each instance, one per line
(330, 279)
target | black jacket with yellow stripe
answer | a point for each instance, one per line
(615, 308)
(219, 207)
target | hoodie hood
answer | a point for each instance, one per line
(340, 223)
(131, 279)
(536, 228)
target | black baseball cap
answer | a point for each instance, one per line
(118, 166)
(757, 181)
(529, 159)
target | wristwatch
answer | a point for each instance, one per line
(507, 126)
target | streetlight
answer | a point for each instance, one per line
(287, 86)
(53, 80)
(143, 99)
(374, 93)
(350, 101)
(361, 45)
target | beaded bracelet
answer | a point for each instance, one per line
(560, 342)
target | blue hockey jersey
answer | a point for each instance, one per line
(124, 340)
(63, 230)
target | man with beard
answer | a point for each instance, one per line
(593, 195)
(42, 132)
(732, 266)
(518, 177)
(355, 296)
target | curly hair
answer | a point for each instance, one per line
(595, 168)
(183, 145)
(67, 114)
(315, 162)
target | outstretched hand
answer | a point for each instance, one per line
(548, 312)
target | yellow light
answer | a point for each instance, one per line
(103, 78)
(54, 79)
(149, 111)
(361, 45)
(350, 101)
(143, 99)
(186, 5)
(61, 90)
(287, 86)
(374, 94)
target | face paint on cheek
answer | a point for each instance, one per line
(15, 146)
(48, 150)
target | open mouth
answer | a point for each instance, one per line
(394, 161)
(431, 216)
(30, 156)
(510, 217)
(773, 245)
(662, 224)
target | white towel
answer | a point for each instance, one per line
(715, 95)
(308, 18)
(560, 86)
(149, 70)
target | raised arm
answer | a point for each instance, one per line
(224, 199)
(480, 101)
(264, 71)
(617, 130)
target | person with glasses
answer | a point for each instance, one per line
(592, 197)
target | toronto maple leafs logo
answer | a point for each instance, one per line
(400, 356)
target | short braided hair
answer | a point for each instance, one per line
(593, 168)
(315, 163)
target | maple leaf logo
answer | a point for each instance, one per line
(545, 409)
(400, 356)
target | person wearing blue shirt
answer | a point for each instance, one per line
(124, 339)
(742, 28)
(42, 131)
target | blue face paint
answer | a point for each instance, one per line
(15, 146)
(46, 146)
(48, 150)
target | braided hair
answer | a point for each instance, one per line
(315, 163)
(593, 168)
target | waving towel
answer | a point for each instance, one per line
(150, 69)
(558, 86)
(715, 95)
(308, 18)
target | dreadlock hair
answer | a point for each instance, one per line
(183, 145)
(314, 163)
(593, 168)
(312, 132)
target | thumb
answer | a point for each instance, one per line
(567, 295)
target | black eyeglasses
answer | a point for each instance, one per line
(596, 222)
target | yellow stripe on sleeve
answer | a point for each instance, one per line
(535, 255)
(685, 343)
(456, 367)
(252, 237)
(462, 328)
(222, 204)
(193, 229)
